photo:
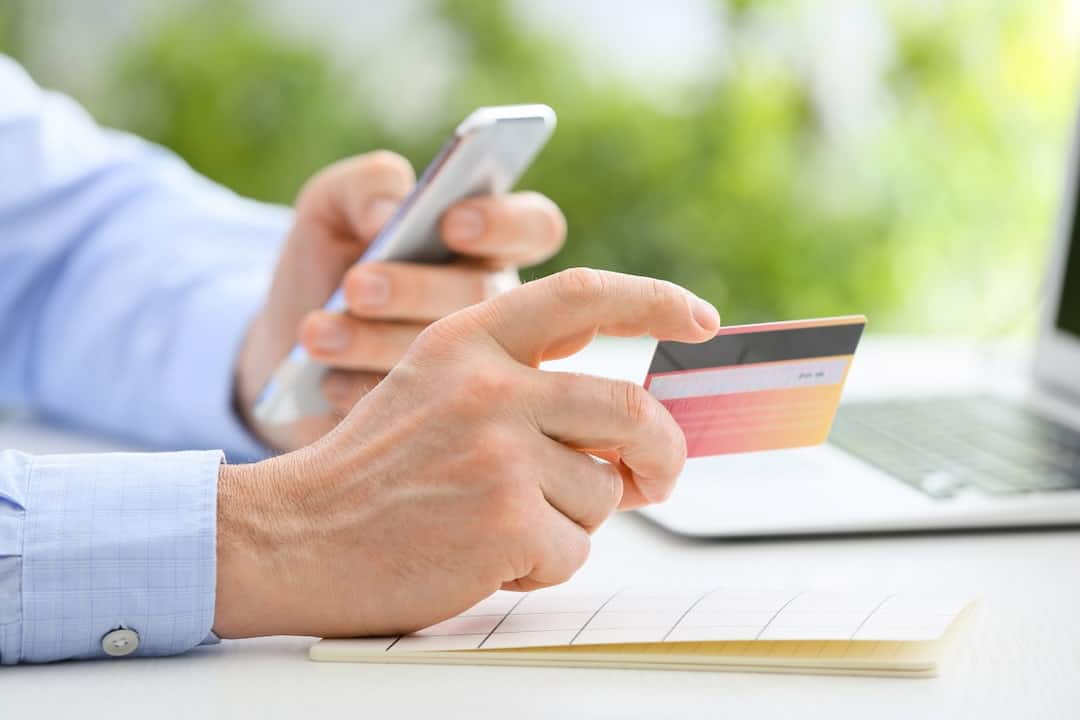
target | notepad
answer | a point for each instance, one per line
(850, 632)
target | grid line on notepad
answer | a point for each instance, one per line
(776, 615)
(871, 614)
(593, 616)
(624, 616)
(686, 612)
(503, 619)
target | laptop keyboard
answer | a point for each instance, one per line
(946, 446)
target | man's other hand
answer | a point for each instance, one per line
(338, 213)
(462, 472)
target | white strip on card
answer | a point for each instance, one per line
(749, 378)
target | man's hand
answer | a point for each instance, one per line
(338, 214)
(461, 473)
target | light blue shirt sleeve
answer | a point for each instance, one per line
(93, 543)
(127, 284)
(129, 281)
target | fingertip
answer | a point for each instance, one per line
(391, 164)
(464, 225)
(657, 489)
(308, 330)
(321, 333)
(366, 288)
(705, 314)
(632, 498)
(638, 494)
(553, 216)
(654, 481)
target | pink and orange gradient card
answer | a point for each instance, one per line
(757, 387)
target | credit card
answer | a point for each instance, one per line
(757, 387)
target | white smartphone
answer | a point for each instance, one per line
(487, 154)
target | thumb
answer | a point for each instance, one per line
(338, 213)
(354, 197)
(342, 208)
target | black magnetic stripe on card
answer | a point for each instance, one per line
(672, 359)
(758, 347)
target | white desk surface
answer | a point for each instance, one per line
(1018, 657)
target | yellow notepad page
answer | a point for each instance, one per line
(721, 628)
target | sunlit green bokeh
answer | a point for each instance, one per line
(935, 219)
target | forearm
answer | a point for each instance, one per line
(140, 330)
(129, 280)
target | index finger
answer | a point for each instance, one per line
(558, 315)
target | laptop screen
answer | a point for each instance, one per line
(1068, 319)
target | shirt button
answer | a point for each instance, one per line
(120, 642)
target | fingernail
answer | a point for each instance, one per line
(704, 314)
(330, 337)
(370, 288)
(378, 214)
(464, 224)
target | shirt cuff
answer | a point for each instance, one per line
(117, 541)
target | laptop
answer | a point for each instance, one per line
(1004, 454)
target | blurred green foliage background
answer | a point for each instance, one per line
(933, 215)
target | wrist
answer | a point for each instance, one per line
(251, 373)
(244, 545)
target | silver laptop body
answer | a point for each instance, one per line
(929, 437)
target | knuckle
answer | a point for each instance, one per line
(437, 341)
(569, 384)
(605, 494)
(579, 285)
(664, 298)
(512, 511)
(486, 382)
(499, 448)
(671, 465)
(677, 444)
(495, 460)
(611, 489)
(576, 553)
(510, 493)
(634, 403)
